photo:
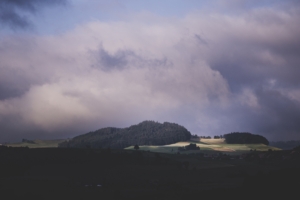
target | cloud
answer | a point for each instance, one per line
(282, 112)
(123, 59)
(15, 13)
(213, 73)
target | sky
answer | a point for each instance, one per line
(68, 67)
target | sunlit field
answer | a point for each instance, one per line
(207, 146)
(38, 144)
(213, 141)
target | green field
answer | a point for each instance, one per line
(207, 146)
(38, 144)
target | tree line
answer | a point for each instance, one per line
(245, 138)
(144, 133)
(208, 137)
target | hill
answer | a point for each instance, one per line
(245, 138)
(144, 133)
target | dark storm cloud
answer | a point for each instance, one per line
(255, 60)
(201, 40)
(13, 83)
(242, 5)
(15, 13)
(240, 69)
(16, 76)
(259, 58)
(281, 111)
(123, 59)
(13, 129)
(10, 91)
(118, 60)
(277, 116)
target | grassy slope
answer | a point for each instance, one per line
(208, 146)
(38, 144)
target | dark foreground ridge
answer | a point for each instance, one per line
(73, 173)
(144, 133)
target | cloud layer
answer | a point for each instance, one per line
(16, 13)
(213, 73)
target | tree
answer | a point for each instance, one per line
(136, 147)
(245, 138)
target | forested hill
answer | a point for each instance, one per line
(245, 138)
(144, 133)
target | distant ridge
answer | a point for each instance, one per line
(286, 145)
(144, 133)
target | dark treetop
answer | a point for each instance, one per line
(144, 133)
(245, 138)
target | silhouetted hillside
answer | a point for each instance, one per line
(297, 148)
(144, 133)
(286, 144)
(245, 138)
